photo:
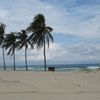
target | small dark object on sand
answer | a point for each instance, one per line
(51, 68)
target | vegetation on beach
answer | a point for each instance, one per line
(40, 35)
(10, 45)
(2, 37)
(23, 41)
(86, 70)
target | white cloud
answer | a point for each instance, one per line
(79, 20)
(78, 23)
(59, 53)
(76, 53)
(82, 21)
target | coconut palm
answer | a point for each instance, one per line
(2, 32)
(23, 41)
(41, 34)
(10, 45)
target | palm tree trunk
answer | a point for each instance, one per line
(14, 60)
(26, 59)
(44, 55)
(4, 58)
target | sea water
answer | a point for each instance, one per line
(59, 67)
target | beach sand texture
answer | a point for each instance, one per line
(30, 85)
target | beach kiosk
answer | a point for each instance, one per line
(51, 68)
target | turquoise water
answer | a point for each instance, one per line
(60, 67)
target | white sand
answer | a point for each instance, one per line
(22, 85)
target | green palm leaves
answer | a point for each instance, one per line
(10, 45)
(40, 35)
(23, 41)
(2, 33)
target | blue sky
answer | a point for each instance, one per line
(76, 26)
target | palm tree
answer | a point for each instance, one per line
(11, 45)
(23, 41)
(41, 34)
(2, 32)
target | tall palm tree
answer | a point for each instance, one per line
(2, 32)
(11, 45)
(41, 34)
(23, 41)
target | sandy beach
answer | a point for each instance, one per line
(30, 85)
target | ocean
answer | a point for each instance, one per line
(60, 67)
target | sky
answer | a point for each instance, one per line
(76, 33)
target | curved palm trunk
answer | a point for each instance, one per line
(44, 55)
(14, 60)
(4, 58)
(26, 59)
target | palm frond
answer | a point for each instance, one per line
(50, 37)
(40, 31)
(10, 43)
(10, 51)
(50, 29)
